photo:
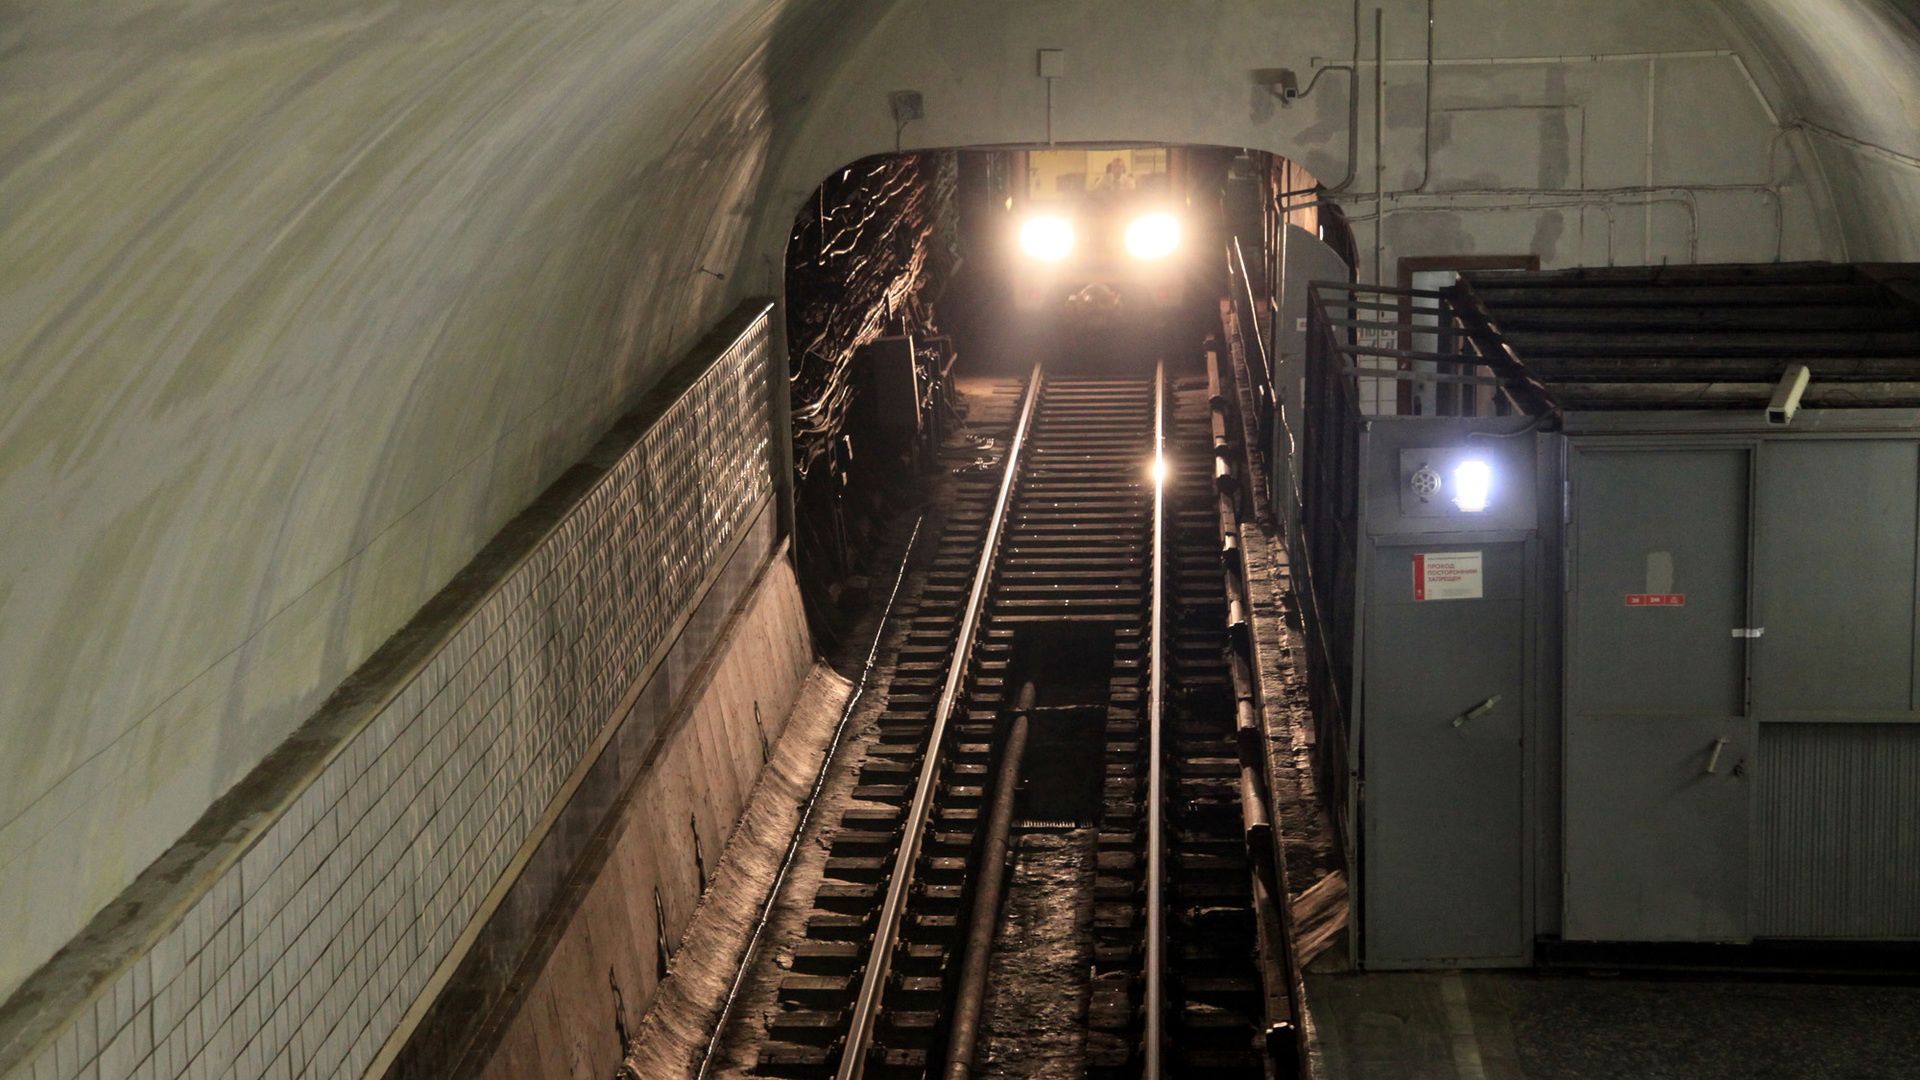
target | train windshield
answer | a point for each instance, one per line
(1067, 178)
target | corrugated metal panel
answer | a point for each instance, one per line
(1839, 831)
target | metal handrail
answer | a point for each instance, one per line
(866, 1008)
(1156, 915)
(1252, 324)
(1359, 372)
(1385, 290)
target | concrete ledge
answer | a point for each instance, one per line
(748, 627)
(293, 924)
(570, 1015)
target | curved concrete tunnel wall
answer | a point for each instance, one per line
(300, 304)
(1848, 74)
(1707, 104)
(299, 307)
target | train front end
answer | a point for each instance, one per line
(1101, 236)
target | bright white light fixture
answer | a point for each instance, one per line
(1048, 239)
(1472, 484)
(1153, 237)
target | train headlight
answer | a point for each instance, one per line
(1154, 236)
(1048, 239)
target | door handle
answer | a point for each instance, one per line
(1477, 711)
(1749, 631)
(1713, 759)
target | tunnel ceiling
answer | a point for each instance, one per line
(300, 302)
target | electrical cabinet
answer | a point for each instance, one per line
(1446, 690)
(1636, 662)
(1661, 685)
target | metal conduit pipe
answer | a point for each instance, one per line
(1230, 553)
(1601, 199)
(1278, 971)
(1426, 106)
(1353, 102)
(984, 919)
(1227, 486)
(1282, 1025)
(1581, 198)
(1379, 141)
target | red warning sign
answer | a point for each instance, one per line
(1447, 575)
(1641, 599)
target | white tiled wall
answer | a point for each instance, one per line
(300, 960)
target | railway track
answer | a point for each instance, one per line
(1050, 865)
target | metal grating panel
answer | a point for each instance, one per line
(1838, 831)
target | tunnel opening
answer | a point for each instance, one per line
(908, 274)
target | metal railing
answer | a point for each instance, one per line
(1258, 354)
(1413, 340)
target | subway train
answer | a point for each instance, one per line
(1101, 235)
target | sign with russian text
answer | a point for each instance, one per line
(1672, 599)
(1447, 575)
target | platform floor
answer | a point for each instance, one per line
(1554, 1026)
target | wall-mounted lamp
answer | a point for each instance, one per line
(1439, 477)
(1469, 486)
(1472, 485)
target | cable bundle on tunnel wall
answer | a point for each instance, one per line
(873, 247)
(869, 254)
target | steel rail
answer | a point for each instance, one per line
(807, 808)
(1156, 870)
(866, 1008)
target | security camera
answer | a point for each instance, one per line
(1280, 82)
(1786, 395)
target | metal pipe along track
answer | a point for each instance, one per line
(985, 917)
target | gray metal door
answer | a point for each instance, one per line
(1658, 732)
(1445, 695)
